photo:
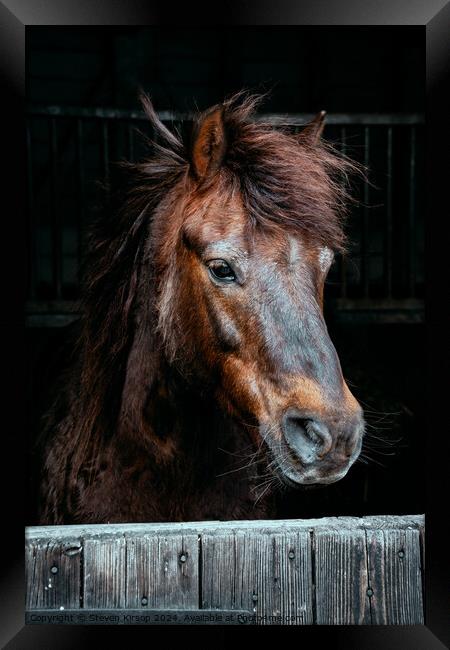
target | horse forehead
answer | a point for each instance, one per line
(281, 250)
(293, 249)
(299, 253)
(217, 225)
(285, 248)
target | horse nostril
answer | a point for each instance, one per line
(309, 439)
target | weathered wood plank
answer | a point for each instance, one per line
(104, 574)
(341, 579)
(357, 570)
(422, 547)
(162, 571)
(324, 523)
(53, 573)
(395, 578)
(218, 571)
(266, 573)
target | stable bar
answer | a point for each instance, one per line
(105, 152)
(130, 134)
(32, 257)
(371, 310)
(365, 224)
(412, 215)
(295, 119)
(81, 198)
(56, 222)
(343, 258)
(388, 234)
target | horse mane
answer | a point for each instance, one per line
(284, 181)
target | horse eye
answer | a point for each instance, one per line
(221, 270)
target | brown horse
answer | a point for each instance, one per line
(205, 375)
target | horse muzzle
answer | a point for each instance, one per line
(314, 451)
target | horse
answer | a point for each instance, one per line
(205, 379)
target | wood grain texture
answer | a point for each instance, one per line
(104, 573)
(341, 578)
(52, 573)
(277, 525)
(268, 574)
(162, 571)
(395, 577)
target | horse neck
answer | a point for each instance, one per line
(182, 428)
(200, 426)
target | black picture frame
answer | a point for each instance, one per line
(15, 17)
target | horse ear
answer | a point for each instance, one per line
(312, 131)
(208, 143)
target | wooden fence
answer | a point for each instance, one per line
(338, 570)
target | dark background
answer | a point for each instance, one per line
(350, 69)
(380, 339)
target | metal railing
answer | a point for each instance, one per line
(69, 149)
